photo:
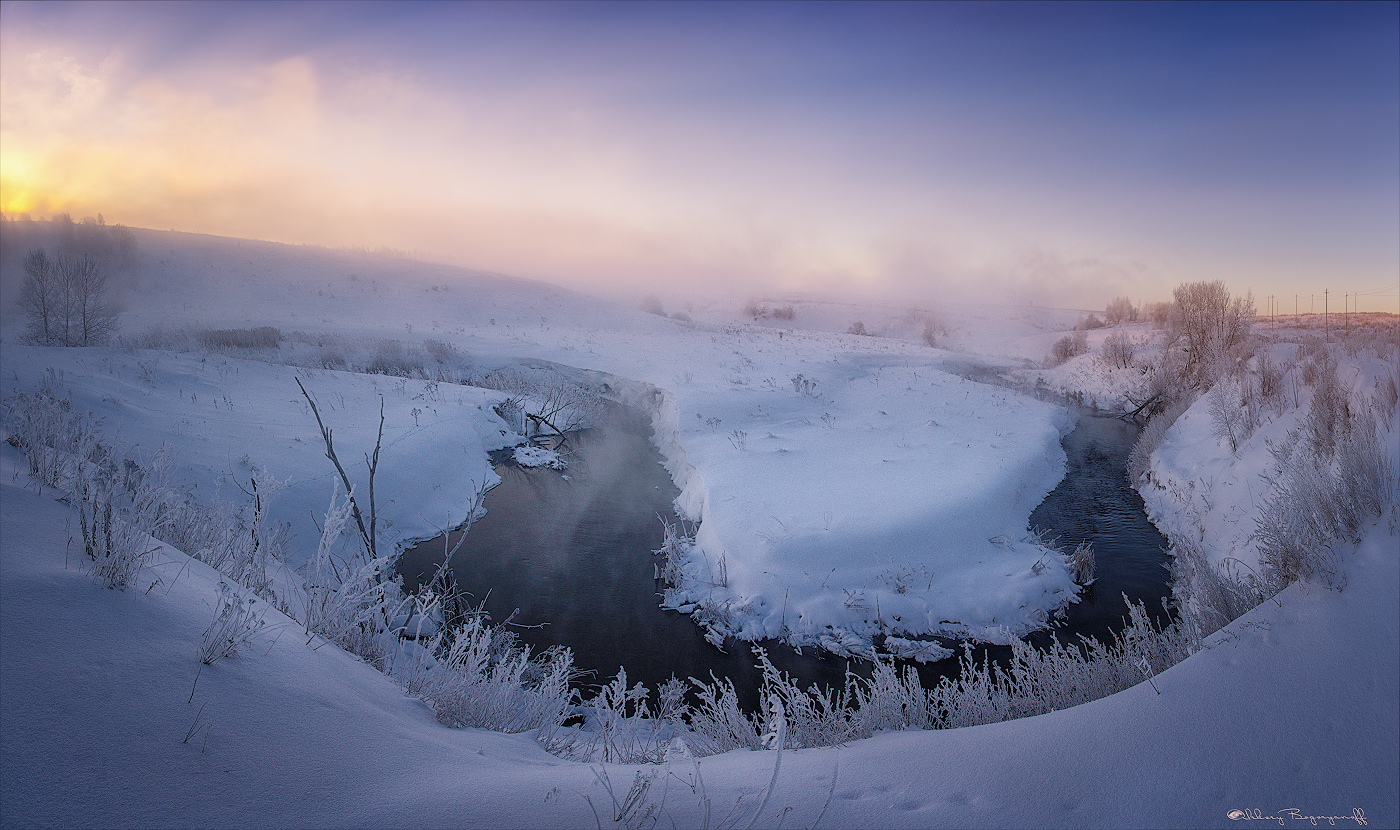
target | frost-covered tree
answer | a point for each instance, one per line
(65, 300)
(1120, 310)
(1208, 321)
(39, 298)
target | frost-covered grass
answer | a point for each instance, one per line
(287, 729)
(860, 456)
(98, 685)
(1269, 477)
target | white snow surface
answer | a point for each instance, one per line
(1292, 707)
(844, 485)
(1198, 488)
(918, 479)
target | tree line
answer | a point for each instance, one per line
(66, 297)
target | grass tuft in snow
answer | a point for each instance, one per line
(484, 678)
(235, 622)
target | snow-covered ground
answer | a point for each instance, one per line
(1200, 488)
(1292, 708)
(843, 480)
(844, 485)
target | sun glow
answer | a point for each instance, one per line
(635, 156)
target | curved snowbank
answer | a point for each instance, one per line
(899, 508)
(1292, 706)
(225, 416)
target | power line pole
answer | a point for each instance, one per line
(1326, 332)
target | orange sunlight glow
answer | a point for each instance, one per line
(611, 184)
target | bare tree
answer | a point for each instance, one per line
(39, 298)
(543, 401)
(1118, 349)
(65, 300)
(1120, 310)
(90, 317)
(368, 534)
(1159, 313)
(1209, 321)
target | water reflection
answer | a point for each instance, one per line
(568, 557)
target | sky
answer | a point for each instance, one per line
(1057, 154)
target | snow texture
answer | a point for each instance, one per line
(849, 485)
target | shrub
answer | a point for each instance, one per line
(262, 337)
(1090, 322)
(1140, 457)
(1207, 597)
(1120, 310)
(785, 312)
(391, 358)
(547, 399)
(621, 726)
(1387, 395)
(934, 328)
(485, 679)
(1226, 416)
(119, 502)
(49, 433)
(1071, 345)
(1118, 349)
(235, 622)
(1083, 564)
(857, 328)
(1270, 381)
(443, 353)
(1329, 410)
(1159, 313)
(803, 385)
(1317, 502)
(1061, 676)
(346, 599)
(1208, 321)
(755, 309)
(652, 305)
(717, 723)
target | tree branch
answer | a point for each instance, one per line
(365, 535)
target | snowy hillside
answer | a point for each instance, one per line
(844, 486)
(100, 695)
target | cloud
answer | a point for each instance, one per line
(616, 154)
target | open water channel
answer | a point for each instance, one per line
(569, 555)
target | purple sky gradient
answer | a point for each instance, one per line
(1050, 153)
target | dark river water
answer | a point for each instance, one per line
(570, 556)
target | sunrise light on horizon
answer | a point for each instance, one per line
(1048, 153)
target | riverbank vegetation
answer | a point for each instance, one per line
(1327, 478)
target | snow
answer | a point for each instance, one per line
(1091, 378)
(1199, 488)
(225, 416)
(880, 491)
(845, 486)
(1293, 706)
(527, 456)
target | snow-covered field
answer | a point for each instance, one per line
(843, 485)
(1294, 707)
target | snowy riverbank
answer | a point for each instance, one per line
(1293, 707)
(917, 478)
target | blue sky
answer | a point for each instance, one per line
(1051, 153)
